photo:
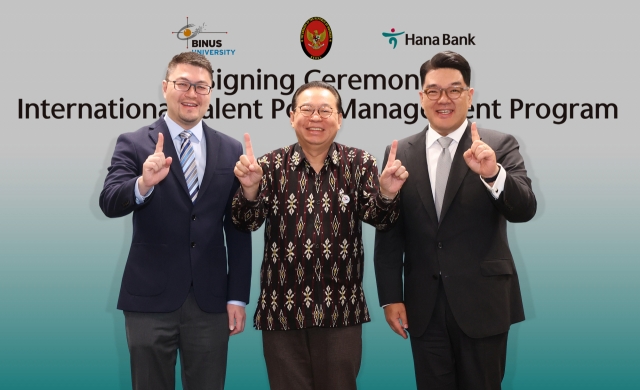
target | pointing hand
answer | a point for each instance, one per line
(248, 171)
(480, 157)
(155, 168)
(394, 174)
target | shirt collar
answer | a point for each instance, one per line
(175, 129)
(433, 136)
(332, 156)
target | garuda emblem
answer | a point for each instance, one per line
(316, 38)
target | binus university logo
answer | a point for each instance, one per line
(316, 38)
(411, 39)
(392, 37)
(190, 31)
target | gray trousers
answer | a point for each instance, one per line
(155, 338)
(313, 358)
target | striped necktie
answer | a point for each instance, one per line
(188, 162)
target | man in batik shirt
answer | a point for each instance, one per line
(314, 195)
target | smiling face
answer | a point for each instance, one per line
(314, 132)
(445, 115)
(186, 108)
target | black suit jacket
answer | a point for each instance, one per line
(175, 242)
(468, 249)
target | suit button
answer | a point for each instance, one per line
(193, 244)
(435, 276)
(439, 245)
(193, 217)
(126, 203)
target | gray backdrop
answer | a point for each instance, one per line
(61, 260)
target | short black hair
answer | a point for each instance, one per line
(447, 59)
(317, 84)
(190, 58)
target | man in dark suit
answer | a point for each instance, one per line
(461, 291)
(182, 288)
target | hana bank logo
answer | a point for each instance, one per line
(411, 39)
(392, 37)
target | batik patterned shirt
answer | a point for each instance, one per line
(311, 274)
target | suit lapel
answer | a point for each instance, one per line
(416, 158)
(459, 169)
(169, 151)
(213, 154)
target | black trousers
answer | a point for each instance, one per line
(313, 358)
(447, 359)
(155, 338)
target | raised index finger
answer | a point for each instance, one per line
(160, 144)
(474, 133)
(392, 153)
(248, 148)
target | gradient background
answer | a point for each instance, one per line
(61, 259)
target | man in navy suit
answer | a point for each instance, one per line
(182, 288)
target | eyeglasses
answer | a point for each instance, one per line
(323, 111)
(183, 86)
(452, 92)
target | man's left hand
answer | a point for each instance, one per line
(480, 157)
(394, 174)
(237, 317)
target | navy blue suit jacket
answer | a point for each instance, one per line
(175, 242)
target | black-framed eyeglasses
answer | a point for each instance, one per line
(452, 92)
(323, 111)
(183, 86)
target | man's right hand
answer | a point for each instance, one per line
(248, 171)
(155, 168)
(396, 316)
